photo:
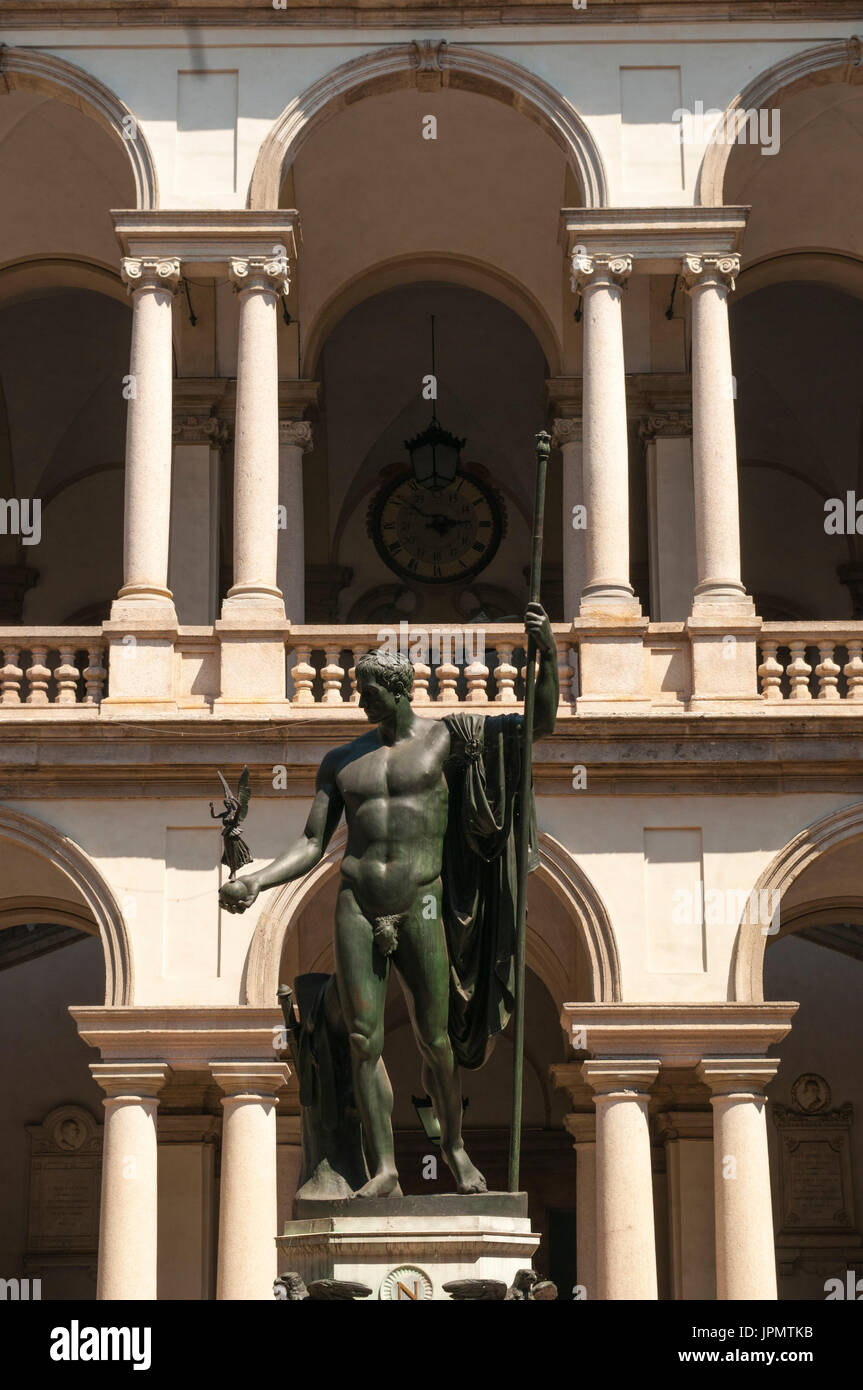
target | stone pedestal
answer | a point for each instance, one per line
(410, 1247)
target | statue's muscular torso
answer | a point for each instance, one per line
(395, 798)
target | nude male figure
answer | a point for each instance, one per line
(390, 784)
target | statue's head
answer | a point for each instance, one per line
(383, 680)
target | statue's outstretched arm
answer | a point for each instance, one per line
(304, 853)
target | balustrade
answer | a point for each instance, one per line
(48, 668)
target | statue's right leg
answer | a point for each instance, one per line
(362, 973)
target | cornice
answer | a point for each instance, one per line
(679, 1035)
(353, 14)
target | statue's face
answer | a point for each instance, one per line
(377, 701)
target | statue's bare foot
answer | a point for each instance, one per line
(467, 1177)
(383, 1184)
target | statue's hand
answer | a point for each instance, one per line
(239, 895)
(537, 626)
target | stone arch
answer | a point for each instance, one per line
(31, 70)
(838, 61)
(556, 867)
(105, 911)
(403, 65)
(832, 269)
(806, 847)
(460, 271)
(41, 275)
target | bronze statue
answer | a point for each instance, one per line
(235, 852)
(428, 886)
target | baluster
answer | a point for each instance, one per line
(11, 677)
(447, 679)
(770, 672)
(94, 675)
(66, 676)
(476, 675)
(565, 674)
(573, 650)
(38, 676)
(422, 675)
(505, 674)
(357, 653)
(854, 670)
(799, 672)
(827, 672)
(332, 675)
(303, 675)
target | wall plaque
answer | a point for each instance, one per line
(65, 1169)
(815, 1177)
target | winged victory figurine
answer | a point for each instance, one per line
(235, 851)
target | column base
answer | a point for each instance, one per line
(610, 601)
(253, 653)
(421, 1243)
(724, 646)
(254, 601)
(141, 661)
(611, 664)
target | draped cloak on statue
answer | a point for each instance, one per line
(480, 876)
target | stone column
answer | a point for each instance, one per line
(688, 1139)
(607, 591)
(625, 1233)
(583, 1130)
(128, 1251)
(152, 285)
(295, 439)
(745, 1249)
(194, 566)
(248, 1200)
(567, 436)
(709, 280)
(667, 442)
(259, 282)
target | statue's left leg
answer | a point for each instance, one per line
(422, 963)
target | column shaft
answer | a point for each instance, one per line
(259, 283)
(625, 1232)
(295, 439)
(600, 279)
(745, 1250)
(128, 1218)
(567, 436)
(146, 535)
(709, 280)
(248, 1200)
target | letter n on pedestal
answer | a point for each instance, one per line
(625, 1228)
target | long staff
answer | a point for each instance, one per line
(543, 448)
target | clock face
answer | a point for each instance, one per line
(440, 536)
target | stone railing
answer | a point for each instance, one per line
(54, 668)
(472, 665)
(800, 666)
(804, 662)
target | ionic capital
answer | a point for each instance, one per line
(270, 273)
(623, 1078)
(196, 428)
(568, 430)
(588, 270)
(130, 1080)
(296, 432)
(671, 424)
(701, 271)
(250, 1080)
(150, 273)
(739, 1077)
